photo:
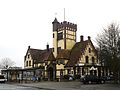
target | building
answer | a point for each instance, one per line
(67, 57)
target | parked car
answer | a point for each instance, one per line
(2, 79)
(93, 79)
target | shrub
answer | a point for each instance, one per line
(66, 77)
(77, 76)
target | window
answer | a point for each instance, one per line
(89, 50)
(69, 71)
(58, 62)
(60, 36)
(41, 64)
(93, 60)
(46, 62)
(29, 63)
(83, 71)
(59, 49)
(28, 56)
(78, 70)
(53, 35)
(87, 59)
(61, 61)
(53, 49)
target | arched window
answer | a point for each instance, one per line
(87, 59)
(93, 60)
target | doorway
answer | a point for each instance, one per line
(50, 74)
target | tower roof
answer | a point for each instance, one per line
(55, 21)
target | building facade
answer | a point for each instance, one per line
(67, 57)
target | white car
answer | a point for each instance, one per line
(2, 79)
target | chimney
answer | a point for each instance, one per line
(88, 37)
(47, 47)
(81, 38)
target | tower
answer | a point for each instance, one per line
(64, 35)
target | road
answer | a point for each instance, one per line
(16, 87)
(59, 86)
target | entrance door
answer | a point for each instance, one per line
(50, 73)
(93, 72)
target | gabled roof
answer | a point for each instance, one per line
(77, 52)
(41, 55)
(64, 54)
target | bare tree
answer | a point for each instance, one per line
(109, 48)
(6, 63)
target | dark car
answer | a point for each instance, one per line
(93, 79)
(2, 79)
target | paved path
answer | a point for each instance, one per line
(71, 86)
(16, 87)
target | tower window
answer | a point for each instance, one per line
(87, 59)
(53, 35)
(60, 36)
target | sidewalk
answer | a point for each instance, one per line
(73, 85)
(51, 85)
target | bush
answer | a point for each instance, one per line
(77, 76)
(66, 77)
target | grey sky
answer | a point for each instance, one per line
(29, 22)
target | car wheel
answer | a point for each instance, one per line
(89, 82)
(102, 81)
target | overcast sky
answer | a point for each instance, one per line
(29, 22)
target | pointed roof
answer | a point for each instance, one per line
(77, 52)
(41, 55)
(55, 21)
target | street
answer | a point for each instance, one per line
(15, 87)
(58, 86)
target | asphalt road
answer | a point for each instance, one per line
(16, 87)
(58, 86)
